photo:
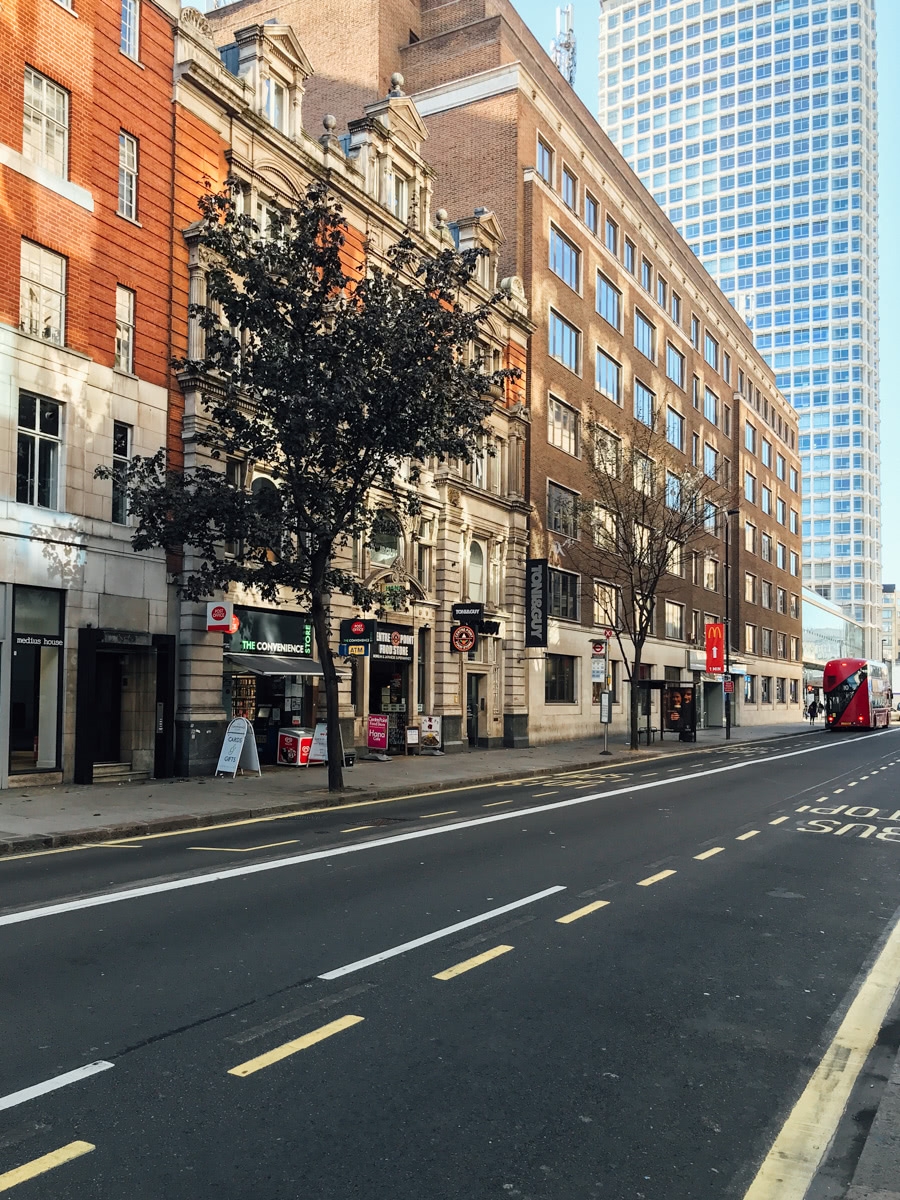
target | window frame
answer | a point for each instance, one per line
(127, 204)
(124, 330)
(565, 682)
(547, 149)
(608, 289)
(710, 350)
(566, 326)
(559, 245)
(568, 188)
(130, 28)
(571, 595)
(675, 420)
(673, 354)
(602, 358)
(650, 396)
(562, 510)
(39, 438)
(38, 119)
(35, 284)
(673, 606)
(557, 435)
(640, 320)
(120, 460)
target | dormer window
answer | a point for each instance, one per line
(275, 104)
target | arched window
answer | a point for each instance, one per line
(476, 573)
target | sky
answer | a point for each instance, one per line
(541, 17)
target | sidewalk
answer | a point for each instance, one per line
(37, 818)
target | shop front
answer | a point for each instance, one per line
(390, 668)
(36, 663)
(269, 674)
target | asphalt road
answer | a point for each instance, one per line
(609, 985)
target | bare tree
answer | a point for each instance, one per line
(646, 505)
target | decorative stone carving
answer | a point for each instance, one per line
(194, 20)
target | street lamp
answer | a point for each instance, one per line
(732, 512)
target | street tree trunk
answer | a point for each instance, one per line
(329, 674)
(634, 698)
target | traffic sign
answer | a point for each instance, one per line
(598, 649)
(728, 685)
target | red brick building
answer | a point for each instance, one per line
(86, 134)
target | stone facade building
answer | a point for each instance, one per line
(86, 653)
(241, 112)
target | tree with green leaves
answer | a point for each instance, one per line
(320, 374)
(645, 505)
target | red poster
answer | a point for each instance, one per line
(377, 732)
(715, 649)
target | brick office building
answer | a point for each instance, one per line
(622, 308)
(86, 656)
(240, 111)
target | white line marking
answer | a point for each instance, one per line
(51, 1085)
(276, 864)
(804, 807)
(438, 934)
(778, 821)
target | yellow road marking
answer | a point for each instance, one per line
(709, 853)
(496, 803)
(302, 1043)
(581, 912)
(357, 828)
(39, 1166)
(540, 795)
(743, 837)
(449, 813)
(796, 1153)
(471, 963)
(655, 878)
(243, 849)
(837, 791)
(804, 807)
(821, 800)
(779, 821)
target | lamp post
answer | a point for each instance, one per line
(732, 512)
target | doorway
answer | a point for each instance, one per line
(108, 708)
(474, 702)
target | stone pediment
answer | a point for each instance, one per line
(283, 44)
(400, 115)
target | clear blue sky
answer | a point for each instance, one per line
(541, 17)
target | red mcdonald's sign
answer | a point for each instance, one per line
(715, 649)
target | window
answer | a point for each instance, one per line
(564, 341)
(661, 291)
(128, 30)
(644, 336)
(795, 650)
(564, 258)
(121, 456)
(726, 367)
(42, 293)
(564, 426)
(629, 256)
(673, 490)
(710, 461)
(795, 607)
(399, 197)
(612, 236)
(766, 454)
(695, 391)
(476, 572)
(695, 332)
(780, 553)
(779, 466)
(608, 452)
(559, 679)
(711, 407)
(749, 487)
(642, 473)
(711, 351)
(795, 691)
(750, 537)
(604, 527)
(569, 188)
(564, 594)
(545, 162)
(37, 451)
(643, 403)
(124, 329)
(606, 604)
(750, 689)
(711, 574)
(750, 639)
(562, 510)
(781, 598)
(766, 646)
(766, 594)
(609, 377)
(674, 621)
(766, 504)
(675, 429)
(750, 437)
(590, 212)
(275, 107)
(749, 587)
(795, 563)
(780, 512)
(609, 301)
(779, 691)
(781, 646)
(674, 365)
(676, 308)
(45, 125)
(646, 275)
(766, 548)
(128, 175)
(795, 521)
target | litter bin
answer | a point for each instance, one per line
(294, 746)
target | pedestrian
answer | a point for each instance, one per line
(813, 711)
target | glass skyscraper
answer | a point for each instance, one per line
(753, 124)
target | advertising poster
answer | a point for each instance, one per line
(377, 732)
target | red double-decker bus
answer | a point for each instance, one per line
(857, 695)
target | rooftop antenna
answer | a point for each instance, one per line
(562, 48)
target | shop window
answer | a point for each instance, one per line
(386, 544)
(559, 679)
(36, 677)
(749, 689)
